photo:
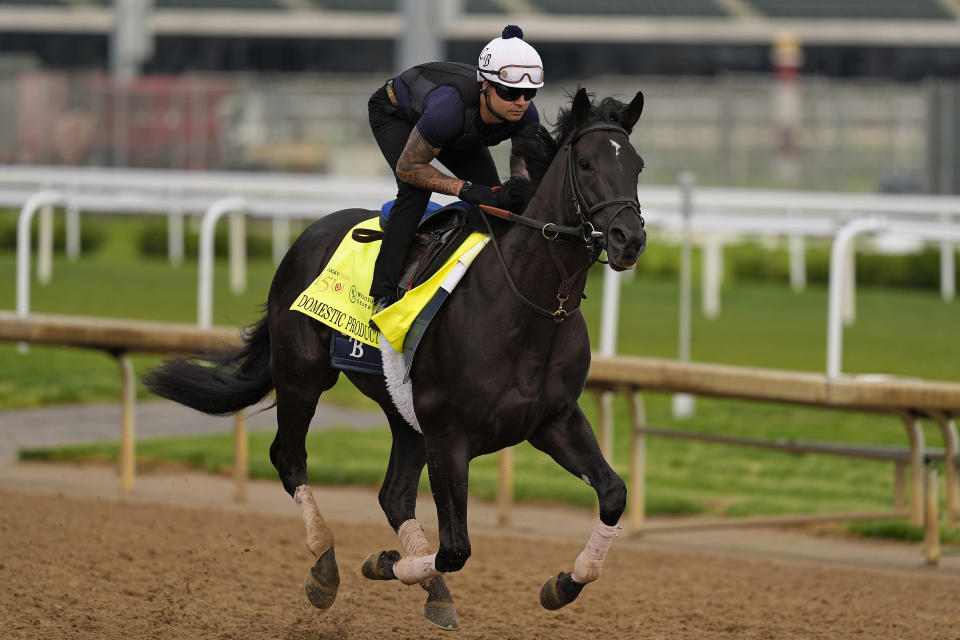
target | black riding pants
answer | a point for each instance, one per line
(391, 131)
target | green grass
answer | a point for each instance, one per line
(898, 331)
(902, 530)
(338, 456)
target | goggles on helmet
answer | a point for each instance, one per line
(512, 94)
(514, 73)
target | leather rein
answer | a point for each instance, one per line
(584, 233)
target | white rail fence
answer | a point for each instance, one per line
(713, 214)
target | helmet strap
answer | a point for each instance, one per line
(486, 97)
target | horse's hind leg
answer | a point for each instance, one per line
(571, 442)
(398, 498)
(301, 373)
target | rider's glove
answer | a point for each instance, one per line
(477, 194)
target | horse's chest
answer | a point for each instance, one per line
(505, 382)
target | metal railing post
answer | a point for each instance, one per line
(45, 245)
(931, 520)
(281, 238)
(838, 270)
(683, 402)
(241, 456)
(206, 250)
(175, 243)
(29, 209)
(948, 280)
(712, 275)
(505, 488)
(609, 322)
(917, 467)
(73, 233)
(838, 275)
(951, 452)
(798, 259)
(637, 494)
(238, 252)
(128, 456)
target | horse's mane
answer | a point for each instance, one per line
(538, 146)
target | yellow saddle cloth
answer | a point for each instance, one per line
(339, 297)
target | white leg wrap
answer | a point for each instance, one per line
(412, 538)
(587, 567)
(413, 569)
(319, 535)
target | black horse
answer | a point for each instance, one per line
(505, 361)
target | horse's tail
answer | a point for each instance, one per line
(220, 384)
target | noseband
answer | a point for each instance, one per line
(597, 240)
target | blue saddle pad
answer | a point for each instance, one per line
(350, 354)
(432, 208)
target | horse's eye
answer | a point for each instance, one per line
(585, 164)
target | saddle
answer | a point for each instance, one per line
(440, 232)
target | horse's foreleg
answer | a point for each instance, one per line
(447, 467)
(439, 609)
(398, 498)
(571, 443)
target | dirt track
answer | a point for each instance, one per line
(80, 567)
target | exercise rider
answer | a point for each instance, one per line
(452, 112)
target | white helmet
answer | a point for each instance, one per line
(510, 61)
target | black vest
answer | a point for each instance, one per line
(424, 78)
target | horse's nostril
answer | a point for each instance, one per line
(617, 236)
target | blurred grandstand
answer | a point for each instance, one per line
(282, 84)
(904, 39)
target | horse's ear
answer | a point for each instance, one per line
(581, 108)
(632, 113)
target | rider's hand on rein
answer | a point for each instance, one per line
(477, 194)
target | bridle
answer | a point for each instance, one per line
(597, 240)
(584, 233)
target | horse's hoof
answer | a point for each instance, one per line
(440, 609)
(380, 566)
(324, 581)
(559, 591)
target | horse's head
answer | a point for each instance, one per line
(602, 172)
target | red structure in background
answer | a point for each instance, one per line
(787, 57)
(152, 121)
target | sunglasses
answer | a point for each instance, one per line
(512, 94)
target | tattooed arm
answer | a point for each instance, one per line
(414, 167)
